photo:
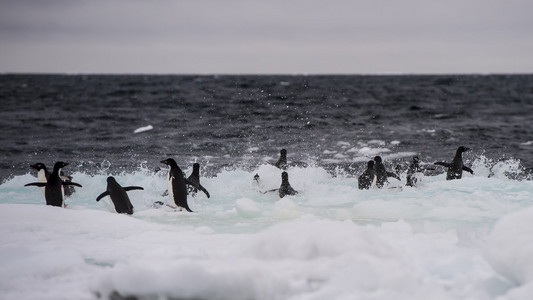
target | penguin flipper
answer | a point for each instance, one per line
(130, 188)
(444, 164)
(465, 168)
(203, 190)
(102, 195)
(65, 177)
(198, 186)
(36, 184)
(71, 183)
(274, 190)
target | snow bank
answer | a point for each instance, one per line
(510, 246)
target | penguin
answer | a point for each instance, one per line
(257, 178)
(257, 183)
(282, 161)
(413, 170)
(119, 198)
(367, 178)
(381, 173)
(286, 188)
(43, 174)
(53, 191)
(195, 179)
(456, 167)
(177, 185)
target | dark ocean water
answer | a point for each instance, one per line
(242, 121)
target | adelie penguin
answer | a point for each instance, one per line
(414, 171)
(43, 174)
(367, 178)
(195, 179)
(282, 161)
(177, 185)
(381, 173)
(119, 198)
(53, 188)
(285, 189)
(456, 167)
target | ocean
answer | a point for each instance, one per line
(462, 239)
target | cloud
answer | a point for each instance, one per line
(237, 36)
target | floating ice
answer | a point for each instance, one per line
(143, 129)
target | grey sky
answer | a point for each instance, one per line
(275, 36)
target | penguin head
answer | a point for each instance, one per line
(377, 159)
(38, 166)
(283, 152)
(170, 162)
(196, 167)
(111, 179)
(370, 164)
(256, 177)
(462, 149)
(58, 165)
(416, 159)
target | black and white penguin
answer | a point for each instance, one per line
(367, 178)
(456, 167)
(194, 178)
(177, 185)
(282, 161)
(43, 174)
(381, 173)
(414, 171)
(286, 188)
(119, 198)
(53, 191)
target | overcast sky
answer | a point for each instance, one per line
(265, 37)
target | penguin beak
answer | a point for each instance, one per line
(466, 149)
(34, 166)
(163, 162)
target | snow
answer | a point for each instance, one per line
(464, 239)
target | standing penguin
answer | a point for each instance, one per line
(381, 173)
(282, 161)
(367, 178)
(195, 179)
(43, 174)
(53, 191)
(177, 185)
(119, 198)
(456, 167)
